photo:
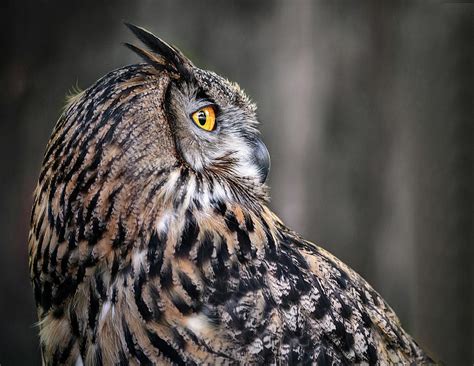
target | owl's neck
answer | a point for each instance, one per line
(182, 214)
(193, 214)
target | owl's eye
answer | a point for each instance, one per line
(205, 118)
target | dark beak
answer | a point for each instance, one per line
(262, 159)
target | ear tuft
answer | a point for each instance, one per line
(162, 55)
(157, 61)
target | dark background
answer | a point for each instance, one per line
(367, 111)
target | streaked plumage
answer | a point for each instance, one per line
(151, 241)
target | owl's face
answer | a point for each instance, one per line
(212, 122)
(215, 128)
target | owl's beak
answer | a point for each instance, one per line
(261, 158)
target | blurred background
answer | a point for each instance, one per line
(367, 111)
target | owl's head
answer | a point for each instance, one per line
(213, 121)
(165, 127)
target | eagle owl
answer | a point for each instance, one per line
(151, 241)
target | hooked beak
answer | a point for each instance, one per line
(261, 158)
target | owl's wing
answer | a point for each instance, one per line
(343, 312)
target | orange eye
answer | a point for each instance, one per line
(205, 118)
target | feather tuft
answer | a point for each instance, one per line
(157, 46)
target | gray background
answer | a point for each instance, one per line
(367, 111)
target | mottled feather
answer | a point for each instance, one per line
(151, 241)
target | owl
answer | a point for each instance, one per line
(151, 240)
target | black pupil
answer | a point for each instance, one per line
(202, 118)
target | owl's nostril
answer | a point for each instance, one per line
(261, 158)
